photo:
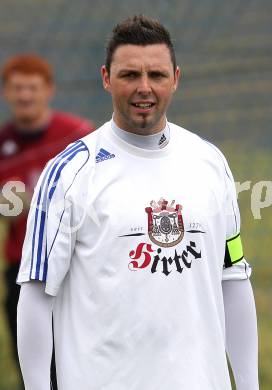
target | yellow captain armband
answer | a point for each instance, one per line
(234, 251)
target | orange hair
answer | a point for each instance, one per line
(27, 64)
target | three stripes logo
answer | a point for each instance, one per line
(103, 155)
(162, 140)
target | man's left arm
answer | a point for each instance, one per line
(239, 304)
(241, 333)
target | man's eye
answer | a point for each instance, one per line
(156, 75)
(130, 75)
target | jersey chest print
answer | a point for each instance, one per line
(165, 230)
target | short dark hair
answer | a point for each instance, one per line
(27, 64)
(138, 30)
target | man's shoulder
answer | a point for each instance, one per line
(8, 141)
(6, 130)
(195, 142)
(93, 138)
(68, 164)
(79, 155)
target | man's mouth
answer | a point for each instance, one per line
(145, 105)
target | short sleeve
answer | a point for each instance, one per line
(235, 266)
(50, 238)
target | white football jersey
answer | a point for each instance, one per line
(134, 244)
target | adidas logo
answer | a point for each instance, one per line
(162, 140)
(103, 155)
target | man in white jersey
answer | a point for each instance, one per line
(133, 241)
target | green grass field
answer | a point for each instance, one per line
(247, 164)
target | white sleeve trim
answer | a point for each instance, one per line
(238, 271)
(49, 289)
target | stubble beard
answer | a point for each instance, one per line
(142, 122)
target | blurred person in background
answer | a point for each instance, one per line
(34, 134)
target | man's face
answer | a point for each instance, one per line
(28, 96)
(141, 82)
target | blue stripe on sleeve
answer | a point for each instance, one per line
(55, 160)
(42, 207)
(47, 199)
(47, 256)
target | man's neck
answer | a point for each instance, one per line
(35, 124)
(153, 142)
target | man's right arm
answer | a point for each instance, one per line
(35, 337)
(46, 256)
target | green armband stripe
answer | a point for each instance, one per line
(234, 250)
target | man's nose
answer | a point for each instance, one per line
(24, 93)
(144, 87)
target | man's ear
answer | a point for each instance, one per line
(177, 78)
(105, 78)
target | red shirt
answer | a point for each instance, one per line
(24, 155)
